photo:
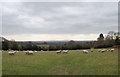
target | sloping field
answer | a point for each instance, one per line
(50, 63)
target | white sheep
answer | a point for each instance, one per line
(11, 53)
(108, 50)
(65, 51)
(59, 51)
(30, 53)
(26, 52)
(104, 50)
(85, 51)
(112, 49)
(14, 51)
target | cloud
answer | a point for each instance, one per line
(59, 1)
(42, 37)
(59, 18)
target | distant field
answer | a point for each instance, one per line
(50, 63)
(44, 45)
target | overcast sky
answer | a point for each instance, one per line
(38, 21)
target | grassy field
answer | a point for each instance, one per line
(50, 63)
(44, 45)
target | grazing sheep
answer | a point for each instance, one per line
(65, 51)
(111, 50)
(104, 50)
(14, 51)
(108, 50)
(58, 51)
(11, 53)
(30, 53)
(85, 51)
(26, 52)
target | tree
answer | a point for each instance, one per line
(15, 46)
(34, 47)
(20, 47)
(110, 35)
(113, 37)
(71, 42)
(28, 47)
(101, 37)
(45, 43)
(5, 45)
(117, 40)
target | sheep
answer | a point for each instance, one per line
(104, 50)
(26, 52)
(65, 51)
(30, 53)
(85, 51)
(14, 51)
(11, 53)
(108, 50)
(112, 49)
(58, 51)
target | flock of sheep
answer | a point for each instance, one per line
(26, 52)
(103, 50)
(62, 51)
(32, 52)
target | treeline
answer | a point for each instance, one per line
(72, 45)
(111, 39)
(6, 45)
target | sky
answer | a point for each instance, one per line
(41, 21)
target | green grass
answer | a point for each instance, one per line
(50, 63)
(43, 45)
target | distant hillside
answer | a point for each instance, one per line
(49, 42)
(56, 42)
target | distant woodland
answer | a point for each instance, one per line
(112, 39)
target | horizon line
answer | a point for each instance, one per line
(56, 40)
